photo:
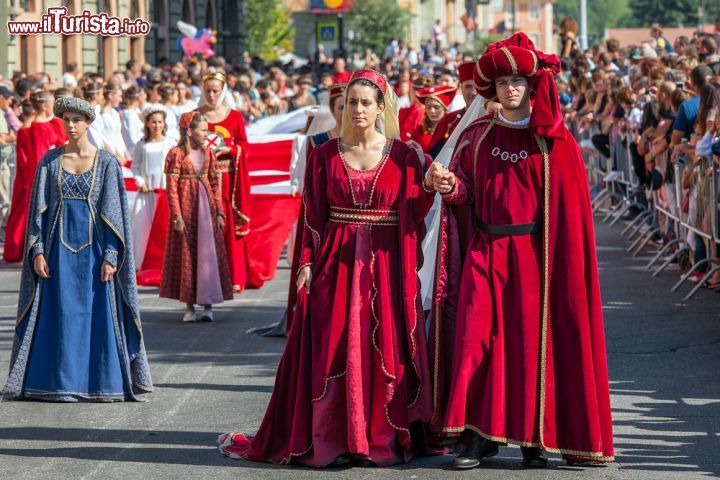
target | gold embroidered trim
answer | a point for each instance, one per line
(183, 177)
(327, 379)
(379, 167)
(315, 233)
(546, 287)
(373, 336)
(511, 59)
(535, 63)
(594, 456)
(481, 74)
(351, 218)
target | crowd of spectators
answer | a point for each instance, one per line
(656, 103)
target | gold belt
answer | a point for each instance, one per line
(224, 166)
(364, 216)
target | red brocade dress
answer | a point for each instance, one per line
(517, 362)
(235, 189)
(354, 376)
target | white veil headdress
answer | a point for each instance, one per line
(387, 123)
(225, 97)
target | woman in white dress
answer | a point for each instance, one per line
(148, 170)
(185, 102)
(112, 125)
(168, 98)
(133, 128)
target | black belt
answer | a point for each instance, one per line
(509, 230)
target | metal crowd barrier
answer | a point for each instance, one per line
(7, 179)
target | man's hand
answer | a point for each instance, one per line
(440, 179)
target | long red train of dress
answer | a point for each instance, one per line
(517, 331)
(354, 375)
(235, 187)
(32, 143)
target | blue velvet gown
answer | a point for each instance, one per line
(75, 352)
(79, 341)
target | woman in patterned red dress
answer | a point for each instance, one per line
(353, 383)
(195, 269)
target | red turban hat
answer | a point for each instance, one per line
(465, 71)
(444, 95)
(516, 55)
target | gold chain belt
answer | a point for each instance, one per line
(224, 166)
(357, 216)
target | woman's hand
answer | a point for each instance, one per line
(106, 272)
(179, 225)
(222, 151)
(220, 222)
(304, 278)
(440, 179)
(41, 267)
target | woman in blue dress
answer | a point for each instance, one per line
(78, 335)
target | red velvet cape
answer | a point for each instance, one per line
(32, 143)
(573, 400)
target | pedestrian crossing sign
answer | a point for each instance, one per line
(327, 32)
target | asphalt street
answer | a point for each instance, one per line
(664, 357)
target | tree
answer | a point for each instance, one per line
(670, 13)
(376, 22)
(269, 28)
(600, 14)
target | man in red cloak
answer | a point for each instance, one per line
(517, 322)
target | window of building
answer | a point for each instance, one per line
(534, 12)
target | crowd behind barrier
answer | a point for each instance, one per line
(649, 165)
(7, 178)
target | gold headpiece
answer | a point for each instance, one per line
(216, 76)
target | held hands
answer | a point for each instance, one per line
(304, 278)
(107, 272)
(440, 179)
(41, 267)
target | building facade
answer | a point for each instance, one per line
(106, 54)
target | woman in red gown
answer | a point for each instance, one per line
(226, 135)
(353, 383)
(437, 103)
(32, 143)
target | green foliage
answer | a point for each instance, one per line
(480, 44)
(269, 28)
(670, 13)
(600, 14)
(375, 23)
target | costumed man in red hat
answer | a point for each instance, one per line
(448, 123)
(522, 294)
(436, 101)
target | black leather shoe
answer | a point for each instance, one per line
(474, 452)
(364, 463)
(533, 457)
(340, 461)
